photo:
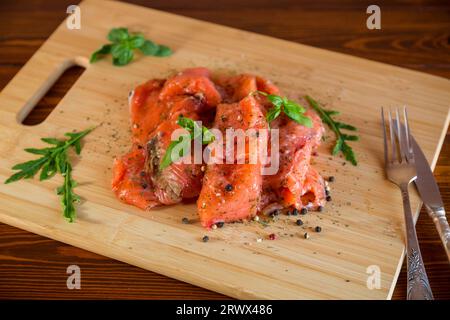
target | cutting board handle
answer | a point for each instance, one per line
(32, 82)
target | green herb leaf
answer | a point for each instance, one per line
(52, 141)
(54, 159)
(184, 141)
(295, 112)
(273, 113)
(136, 41)
(97, 55)
(117, 35)
(163, 51)
(124, 43)
(124, 58)
(290, 108)
(149, 48)
(341, 145)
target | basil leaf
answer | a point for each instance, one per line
(149, 48)
(163, 51)
(123, 59)
(119, 49)
(136, 41)
(273, 113)
(118, 35)
(97, 55)
(294, 112)
(183, 142)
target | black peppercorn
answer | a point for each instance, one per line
(318, 229)
(320, 208)
(295, 212)
(299, 222)
(205, 239)
(331, 179)
(220, 224)
(185, 220)
(228, 187)
(328, 198)
(304, 211)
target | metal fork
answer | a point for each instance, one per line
(401, 170)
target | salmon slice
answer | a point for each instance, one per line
(146, 111)
(292, 180)
(231, 192)
(130, 183)
(238, 87)
(195, 82)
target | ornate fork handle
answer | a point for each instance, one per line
(439, 219)
(418, 287)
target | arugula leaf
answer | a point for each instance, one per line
(123, 44)
(68, 197)
(290, 108)
(184, 141)
(54, 160)
(341, 138)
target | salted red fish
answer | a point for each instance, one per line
(231, 192)
(154, 110)
(227, 192)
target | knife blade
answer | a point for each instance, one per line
(431, 196)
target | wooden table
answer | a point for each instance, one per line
(412, 36)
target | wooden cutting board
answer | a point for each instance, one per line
(362, 226)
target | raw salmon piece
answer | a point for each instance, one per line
(238, 87)
(195, 82)
(179, 180)
(130, 183)
(297, 142)
(146, 111)
(231, 192)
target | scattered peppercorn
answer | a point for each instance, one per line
(328, 198)
(295, 212)
(299, 222)
(306, 235)
(272, 236)
(205, 239)
(185, 220)
(144, 185)
(228, 187)
(275, 213)
(318, 229)
(331, 178)
(142, 173)
(327, 192)
(304, 211)
(320, 208)
(220, 224)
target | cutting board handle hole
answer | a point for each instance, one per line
(50, 94)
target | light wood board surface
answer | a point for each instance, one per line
(362, 227)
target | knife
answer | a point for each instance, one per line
(431, 197)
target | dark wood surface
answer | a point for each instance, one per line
(414, 34)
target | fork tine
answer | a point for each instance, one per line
(393, 143)
(400, 136)
(410, 153)
(386, 155)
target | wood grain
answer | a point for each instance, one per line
(441, 277)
